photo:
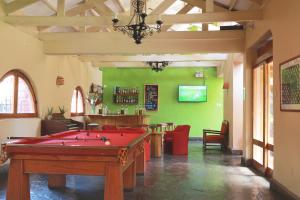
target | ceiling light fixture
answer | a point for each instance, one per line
(158, 66)
(137, 28)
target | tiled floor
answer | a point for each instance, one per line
(200, 176)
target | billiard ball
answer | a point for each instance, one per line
(107, 142)
(98, 135)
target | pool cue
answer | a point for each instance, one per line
(53, 138)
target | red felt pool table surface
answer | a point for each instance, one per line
(83, 138)
(76, 152)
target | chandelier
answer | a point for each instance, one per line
(158, 66)
(137, 28)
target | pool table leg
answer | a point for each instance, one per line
(113, 189)
(140, 164)
(18, 187)
(129, 177)
(56, 180)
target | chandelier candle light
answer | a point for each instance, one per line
(137, 27)
(158, 66)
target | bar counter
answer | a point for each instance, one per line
(120, 120)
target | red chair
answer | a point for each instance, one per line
(176, 141)
(215, 137)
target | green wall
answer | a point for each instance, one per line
(198, 115)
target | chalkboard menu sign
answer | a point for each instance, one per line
(151, 97)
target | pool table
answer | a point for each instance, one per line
(117, 156)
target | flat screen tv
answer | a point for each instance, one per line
(192, 93)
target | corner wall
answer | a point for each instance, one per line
(233, 101)
(282, 19)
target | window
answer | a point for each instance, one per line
(17, 97)
(77, 104)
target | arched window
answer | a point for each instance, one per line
(77, 104)
(17, 98)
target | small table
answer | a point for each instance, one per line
(156, 144)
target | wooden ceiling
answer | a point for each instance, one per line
(84, 28)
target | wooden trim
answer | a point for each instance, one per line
(265, 58)
(285, 192)
(269, 172)
(23, 115)
(258, 166)
(77, 114)
(270, 147)
(266, 48)
(280, 93)
(18, 74)
(264, 61)
(258, 143)
(16, 94)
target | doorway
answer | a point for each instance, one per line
(263, 117)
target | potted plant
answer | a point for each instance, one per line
(60, 115)
(62, 111)
(93, 100)
(49, 113)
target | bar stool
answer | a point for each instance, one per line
(170, 126)
(162, 127)
(145, 127)
(153, 128)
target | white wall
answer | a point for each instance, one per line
(282, 19)
(19, 50)
(233, 101)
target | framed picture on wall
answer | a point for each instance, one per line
(290, 85)
(151, 97)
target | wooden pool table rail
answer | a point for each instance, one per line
(119, 165)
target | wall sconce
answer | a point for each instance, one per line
(226, 86)
(60, 80)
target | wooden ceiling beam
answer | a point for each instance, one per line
(232, 4)
(2, 8)
(61, 8)
(236, 16)
(80, 8)
(46, 2)
(17, 5)
(162, 7)
(184, 10)
(77, 10)
(127, 46)
(171, 64)
(151, 57)
(101, 8)
(120, 4)
(170, 35)
(202, 4)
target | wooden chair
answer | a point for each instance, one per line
(215, 137)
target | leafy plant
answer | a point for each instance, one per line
(62, 110)
(50, 111)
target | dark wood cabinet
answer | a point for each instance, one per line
(56, 126)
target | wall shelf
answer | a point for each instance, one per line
(128, 96)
